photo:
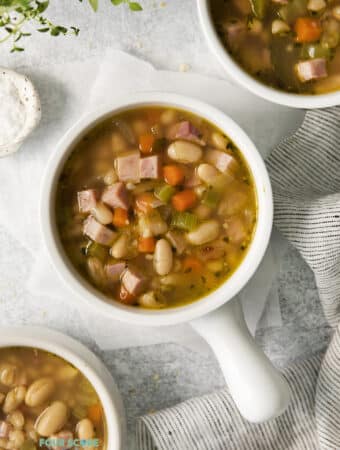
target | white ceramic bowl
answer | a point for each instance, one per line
(175, 315)
(82, 358)
(259, 391)
(235, 71)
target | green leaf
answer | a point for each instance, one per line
(134, 6)
(42, 6)
(17, 49)
(117, 2)
(94, 4)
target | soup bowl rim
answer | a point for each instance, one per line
(74, 352)
(82, 289)
(240, 76)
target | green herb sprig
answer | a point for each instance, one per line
(16, 14)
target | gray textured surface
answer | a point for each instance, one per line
(153, 377)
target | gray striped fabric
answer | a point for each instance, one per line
(305, 172)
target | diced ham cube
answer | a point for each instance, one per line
(61, 440)
(311, 69)
(127, 166)
(87, 200)
(177, 240)
(235, 32)
(98, 232)
(5, 428)
(222, 161)
(114, 271)
(185, 130)
(133, 281)
(116, 196)
(150, 167)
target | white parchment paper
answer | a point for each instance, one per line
(78, 88)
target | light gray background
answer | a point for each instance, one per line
(154, 377)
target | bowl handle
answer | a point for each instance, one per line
(258, 389)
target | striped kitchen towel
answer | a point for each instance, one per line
(305, 173)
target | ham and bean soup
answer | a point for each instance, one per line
(45, 402)
(156, 207)
(292, 45)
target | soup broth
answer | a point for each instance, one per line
(292, 45)
(46, 403)
(156, 207)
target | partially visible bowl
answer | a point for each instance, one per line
(241, 77)
(87, 363)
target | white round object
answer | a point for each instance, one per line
(84, 360)
(84, 290)
(241, 77)
(20, 110)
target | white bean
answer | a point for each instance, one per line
(8, 374)
(16, 418)
(206, 232)
(149, 300)
(16, 438)
(52, 419)
(185, 152)
(120, 248)
(39, 391)
(316, 5)
(168, 117)
(336, 12)
(207, 173)
(14, 398)
(163, 258)
(85, 429)
(96, 270)
(219, 141)
(102, 213)
(279, 26)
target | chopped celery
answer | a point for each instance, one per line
(184, 221)
(97, 250)
(315, 51)
(211, 198)
(292, 10)
(159, 145)
(165, 192)
(259, 7)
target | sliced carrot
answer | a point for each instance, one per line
(94, 413)
(145, 202)
(120, 218)
(184, 200)
(307, 29)
(146, 142)
(124, 296)
(192, 264)
(173, 174)
(146, 245)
